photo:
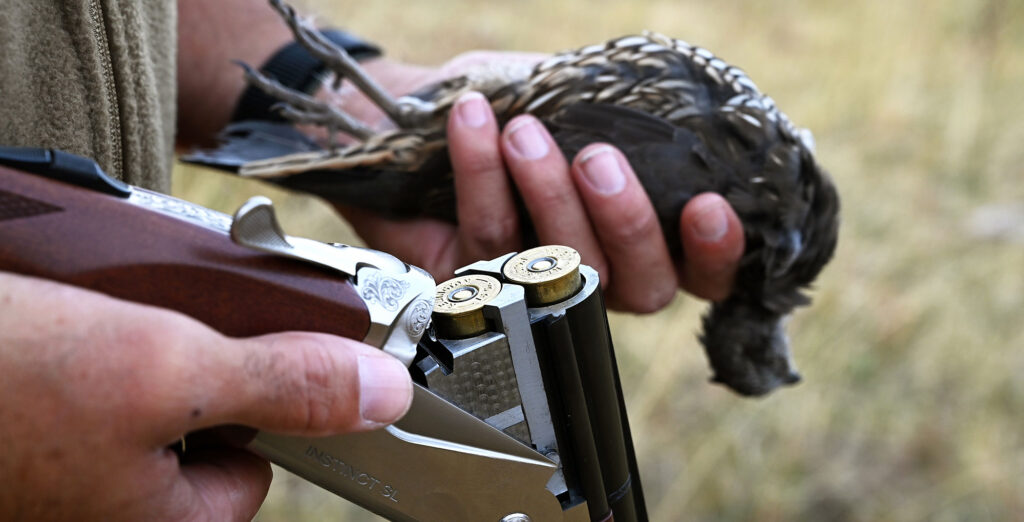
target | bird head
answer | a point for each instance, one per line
(790, 212)
(787, 202)
(747, 348)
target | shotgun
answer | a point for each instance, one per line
(517, 412)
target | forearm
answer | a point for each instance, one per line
(210, 36)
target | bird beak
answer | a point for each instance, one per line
(788, 251)
(793, 378)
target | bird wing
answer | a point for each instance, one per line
(672, 162)
(249, 141)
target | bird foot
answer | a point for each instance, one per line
(298, 107)
(405, 112)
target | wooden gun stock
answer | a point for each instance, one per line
(107, 243)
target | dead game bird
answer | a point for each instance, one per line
(687, 122)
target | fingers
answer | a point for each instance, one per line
(597, 207)
(224, 484)
(713, 241)
(542, 176)
(298, 383)
(488, 221)
(643, 276)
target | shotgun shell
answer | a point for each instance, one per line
(549, 273)
(459, 305)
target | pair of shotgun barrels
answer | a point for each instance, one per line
(517, 413)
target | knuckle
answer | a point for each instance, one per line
(648, 301)
(550, 201)
(493, 236)
(317, 370)
(636, 224)
(483, 160)
(643, 290)
(300, 377)
(710, 284)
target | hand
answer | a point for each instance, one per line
(595, 205)
(94, 390)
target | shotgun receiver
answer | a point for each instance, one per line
(517, 412)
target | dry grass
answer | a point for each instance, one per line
(913, 353)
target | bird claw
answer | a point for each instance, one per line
(402, 112)
(298, 107)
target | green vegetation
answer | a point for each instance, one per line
(913, 353)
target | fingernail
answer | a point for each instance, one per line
(472, 109)
(385, 391)
(711, 223)
(602, 171)
(527, 140)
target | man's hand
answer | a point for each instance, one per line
(595, 205)
(94, 390)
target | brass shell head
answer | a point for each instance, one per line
(549, 273)
(459, 304)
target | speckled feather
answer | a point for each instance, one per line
(688, 123)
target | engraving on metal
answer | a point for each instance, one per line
(435, 450)
(360, 477)
(255, 226)
(13, 206)
(393, 302)
(391, 289)
(181, 209)
(384, 290)
(418, 317)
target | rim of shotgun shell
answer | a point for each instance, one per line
(459, 305)
(549, 273)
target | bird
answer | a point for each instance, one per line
(687, 122)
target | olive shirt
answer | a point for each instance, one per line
(93, 77)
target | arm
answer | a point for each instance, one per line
(210, 35)
(213, 34)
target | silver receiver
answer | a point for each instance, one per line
(398, 296)
(439, 462)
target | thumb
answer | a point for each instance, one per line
(300, 383)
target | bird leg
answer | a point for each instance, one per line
(298, 107)
(405, 112)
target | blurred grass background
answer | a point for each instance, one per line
(913, 353)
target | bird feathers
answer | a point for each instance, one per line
(687, 122)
